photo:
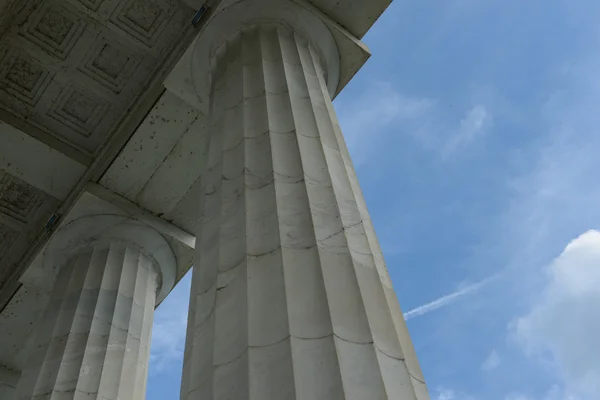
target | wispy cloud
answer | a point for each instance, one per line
(491, 362)
(471, 127)
(446, 394)
(381, 111)
(366, 118)
(448, 299)
(450, 394)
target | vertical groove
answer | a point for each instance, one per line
(134, 325)
(32, 374)
(230, 377)
(271, 369)
(189, 335)
(147, 299)
(119, 332)
(94, 357)
(55, 352)
(99, 363)
(207, 267)
(327, 383)
(78, 339)
(198, 371)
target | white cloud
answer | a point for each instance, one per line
(168, 332)
(564, 322)
(491, 362)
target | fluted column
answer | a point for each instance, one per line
(93, 341)
(290, 297)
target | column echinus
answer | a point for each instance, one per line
(93, 341)
(290, 297)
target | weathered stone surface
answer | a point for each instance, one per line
(290, 297)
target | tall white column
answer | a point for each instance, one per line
(93, 341)
(290, 297)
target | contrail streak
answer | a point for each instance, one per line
(447, 300)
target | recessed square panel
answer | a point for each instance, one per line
(24, 74)
(18, 199)
(110, 60)
(143, 14)
(23, 77)
(110, 64)
(91, 4)
(79, 109)
(142, 19)
(80, 106)
(54, 29)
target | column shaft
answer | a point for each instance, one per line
(93, 340)
(290, 297)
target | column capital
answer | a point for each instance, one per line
(81, 234)
(232, 19)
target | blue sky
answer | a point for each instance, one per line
(475, 131)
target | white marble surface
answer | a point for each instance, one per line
(290, 297)
(93, 340)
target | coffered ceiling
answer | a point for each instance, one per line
(71, 69)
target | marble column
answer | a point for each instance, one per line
(291, 298)
(93, 341)
(8, 383)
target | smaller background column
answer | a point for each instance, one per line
(93, 340)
